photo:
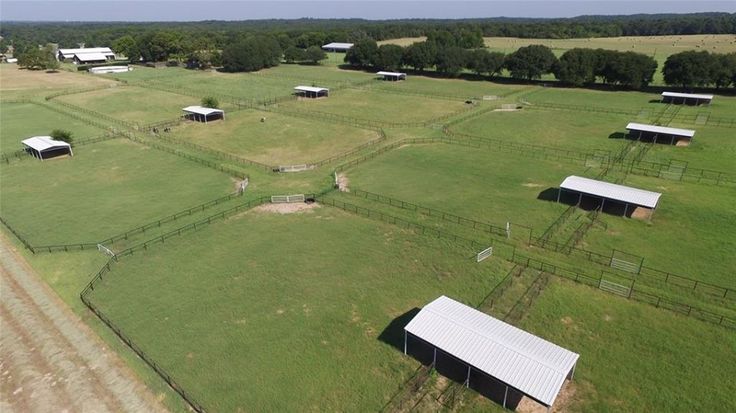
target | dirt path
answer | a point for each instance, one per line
(50, 360)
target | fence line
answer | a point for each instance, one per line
(217, 153)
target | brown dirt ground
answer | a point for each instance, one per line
(12, 78)
(286, 208)
(641, 213)
(343, 182)
(562, 403)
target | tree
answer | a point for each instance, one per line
(451, 60)
(483, 62)
(420, 55)
(724, 71)
(363, 54)
(210, 102)
(577, 67)
(36, 58)
(127, 46)
(294, 54)
(530, 62)
(250, 54)
(389, 57)
(315, 54)
(690, 68)
(630, 69)
(62, 135)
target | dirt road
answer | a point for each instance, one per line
(50, 360)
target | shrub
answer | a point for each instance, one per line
(62, 135)
(210, 102)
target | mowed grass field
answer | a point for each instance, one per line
(19, 121)
(457, 88)
(481, 184)
(634, 357)
(105, 189)
(293, 310)
(133, 104)
(279, 140)
(16, 81)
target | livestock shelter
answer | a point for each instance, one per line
(40, 146)
(312, 91)
(661, 134)
(110, 69)
(520, 362)
(392, 76)
(69, 54)
(89, 58)
(337, 47)
(203, 114)
(644, 202)
(686, 98)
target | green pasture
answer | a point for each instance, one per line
(458, 88)
(19, 121)
(375, 105)
(634, 357)
(133, 104)
(294, 308)
(278, 140)
(105, 189)
(481, 184)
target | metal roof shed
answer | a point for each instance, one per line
(392, 75)
(607, 190)
(337, 47)
(654, 132)
(38, 145)
(684, 98)
(312, 91)
(202, 114)
(513, 356)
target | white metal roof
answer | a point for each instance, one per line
(522, 360)
(689, 133)
(85, 50)
(608, 190)
(110, 69)
(686, 95)
(43, 143)
(201, 110)
(90, 57)
(311, 89)
(382, 73)
(337, 45)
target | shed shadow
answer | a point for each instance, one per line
(549, 194)
(393, 334)
(617, 135)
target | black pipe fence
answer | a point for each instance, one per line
(217, 153)
(97, 115)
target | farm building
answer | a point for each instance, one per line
(70, 55)
(498, 358)
(110, 69)
(46, 147)
(393, 76)
(337, 47)
(202, 114)
(89, 58)
(644, 202)
(312, 91)
(686, 98)
(660, 134)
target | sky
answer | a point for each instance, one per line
(186, 10)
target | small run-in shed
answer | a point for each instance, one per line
(520, 361)
(644, 202)
(337, 47)
(46, 146)
(393, 76)
(203, 114)
(311, 91)
(686, 98)
(660, 134)
(89, 58)
(110, 69)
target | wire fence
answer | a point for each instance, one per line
(217, 153)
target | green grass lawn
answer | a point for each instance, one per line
(712, 148)
(105, 189)
(133, 104)
(280, 140)
(19, 121)
(289, 308)
(379, 106)
(634, 357)
(474, 183)
(462, 89)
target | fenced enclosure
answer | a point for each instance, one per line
(287, 199)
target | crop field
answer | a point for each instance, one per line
(104, 189)
(301, 306)
(275, 139)
(19, 121)
(288, 291)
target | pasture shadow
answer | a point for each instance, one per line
(549, 194)
(655, 101)
(618, 135)
(393, 334)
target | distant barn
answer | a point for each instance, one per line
(686, 98)
(337, 47)
(86, 55)
(392, 76)
(203, 114)
(311, 91)
(625, 200)
(44, 147)
(660, 134)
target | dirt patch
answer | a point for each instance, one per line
(567, 393)
(343, 182)
(641, 213)
(506, 110)
(566, 320)
(682, 142)
(286, 208)
(607, 317)
(531, 185)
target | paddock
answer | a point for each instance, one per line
(312, 92)
(202, 114)
(522, 363)
(694, 99)
(46, 147)
(392, 76)
(660, 134)
(644, 202)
